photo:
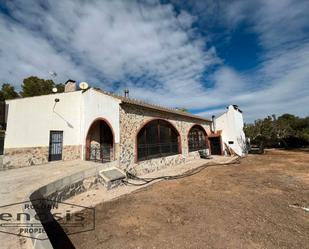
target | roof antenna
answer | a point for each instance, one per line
(53, 74)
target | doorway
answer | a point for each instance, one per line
(215, 145)
(100, 142)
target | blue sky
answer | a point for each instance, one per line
(201, 55)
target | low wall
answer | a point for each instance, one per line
(61, 190)
(151, 165)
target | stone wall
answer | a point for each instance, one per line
(132, 118)
(71, 152)
(56, 193)
(22, 157)
(73, 189)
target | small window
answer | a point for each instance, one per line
(197, 138)
(231, 142)
(55, 145)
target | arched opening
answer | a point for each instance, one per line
(197, 138)
(100, 142)
(158, 138)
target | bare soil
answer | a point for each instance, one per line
(244, 205)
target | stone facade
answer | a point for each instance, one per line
(22, 157)
(132, 118)
(71, 152)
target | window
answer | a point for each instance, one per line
(158, 138)
(197, 138)
(55, 145)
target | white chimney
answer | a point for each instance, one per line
(213, 123)
(70, 86)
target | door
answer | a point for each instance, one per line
(215, 145)
(55, 145)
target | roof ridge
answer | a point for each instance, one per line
(143, 103)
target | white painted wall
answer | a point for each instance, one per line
(98, 105)
(30, 120)
(231, 123)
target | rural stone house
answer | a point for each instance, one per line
(96, 125)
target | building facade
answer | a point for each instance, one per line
(100, 126)
(230, 125)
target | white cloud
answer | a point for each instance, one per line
(117, 38)
(277, 23)
(281, 22)
(103, 42)
(23, 53)
(285, 87)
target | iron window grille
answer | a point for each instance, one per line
(101, 153)
(197, 139)
(157, 139)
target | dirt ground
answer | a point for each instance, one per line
(244, 205)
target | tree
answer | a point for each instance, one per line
(8, 92)
(34, 86)
(60, 87)
(287, 130)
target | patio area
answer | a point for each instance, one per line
(17, 184)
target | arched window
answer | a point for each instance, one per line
(197, 138)
(157, 138)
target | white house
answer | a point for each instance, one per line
(231, 125)
(96, 125)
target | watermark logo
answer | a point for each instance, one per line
(42, 219)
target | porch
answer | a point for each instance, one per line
(100, 142)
